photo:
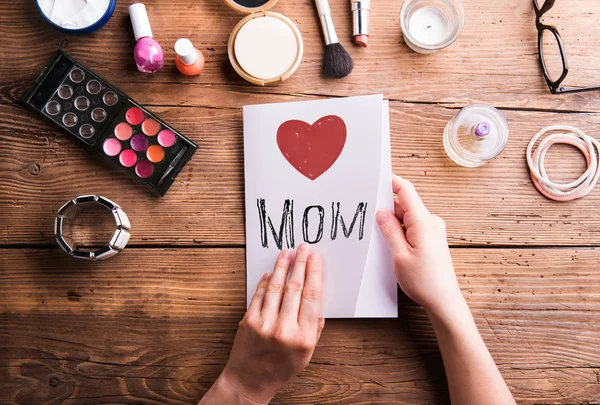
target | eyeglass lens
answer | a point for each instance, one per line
(550, 52)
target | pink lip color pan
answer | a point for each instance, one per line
(128, 158)
(166, 138)
(144, 169)
(134, 116)
(109, 122)
(112, 147)
(123, 131)
(139, 142)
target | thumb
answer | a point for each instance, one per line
(392, 230)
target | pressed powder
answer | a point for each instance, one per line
(265, 47)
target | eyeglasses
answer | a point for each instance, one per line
(551, 61)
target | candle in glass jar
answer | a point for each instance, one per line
(429, 25)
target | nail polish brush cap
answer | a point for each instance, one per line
(186, 51)
(140, 21)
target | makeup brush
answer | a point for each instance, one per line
(336, 61)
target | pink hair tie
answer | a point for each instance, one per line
(568, 135)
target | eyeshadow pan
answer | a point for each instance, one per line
(166, 138)
(98, 114)
(150, 127)
(93, 87)
(53, 107)
(112, 147)
(110, 98)
(144, 169)
(77, 75)
(65, 92)
(123, 131)
(128, 158)
(139, 142)
(134, 116)
(82, 103)
(86, 131)
(155, 153)
(69, 119)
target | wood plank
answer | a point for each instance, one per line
(493, 205)
(494, 61)
(156, 325)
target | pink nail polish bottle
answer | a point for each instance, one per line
(147, 53)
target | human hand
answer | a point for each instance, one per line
(277, 337)
(420, 252)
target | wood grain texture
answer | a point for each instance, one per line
(494, 61)
(493, 205)
(155, 326)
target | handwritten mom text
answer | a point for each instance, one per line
(312, 232)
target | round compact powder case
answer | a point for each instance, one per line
(264, 47)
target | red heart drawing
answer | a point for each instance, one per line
(312, 149)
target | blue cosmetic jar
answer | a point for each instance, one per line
(84, 30)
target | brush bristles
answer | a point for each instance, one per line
(336, 61)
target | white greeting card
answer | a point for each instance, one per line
(316, 172)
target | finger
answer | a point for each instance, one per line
(408, 198)
(320, 328)
(293, 289)
(392, 229)
(257, 300)
(274, 291)
(310, 304)
(398, 209)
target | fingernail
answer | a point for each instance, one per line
(285, 254)
(264, 277)
(382, 217)
(304, 248)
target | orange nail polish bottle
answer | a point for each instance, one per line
(189, 60)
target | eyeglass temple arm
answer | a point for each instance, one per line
(563, 90)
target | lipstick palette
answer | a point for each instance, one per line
(108, 121)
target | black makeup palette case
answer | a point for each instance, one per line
(89, 108)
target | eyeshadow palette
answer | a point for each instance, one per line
(108, 121)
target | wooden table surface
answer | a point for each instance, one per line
(155, 324)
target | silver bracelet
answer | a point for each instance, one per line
(72, 208)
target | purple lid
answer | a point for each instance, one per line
(482, 129)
